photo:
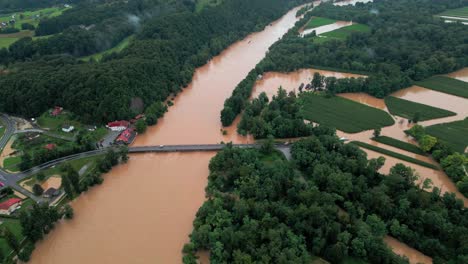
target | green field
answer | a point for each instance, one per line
(459, 12)
(341, 33)
(408, 109)
(32, 17)
(395, 155)
(15, 227)
(455, 134)
(12, 163)
(6, 42)
(122, 45)
(319, 21)
(54, 123)
(343, 114)
(399, 144)
(201, 4)
(446, 85)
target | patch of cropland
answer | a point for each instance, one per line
(343, 114)
(459, 12)
(455, 134)
(319, 21)
(399, 144)
(415, 111)
(394, 154)
(342, 33)
(446, 85)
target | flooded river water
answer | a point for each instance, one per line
(461, 75)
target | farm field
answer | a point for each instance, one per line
(446, 85)
(122, 45)
(408, 109)
(341, 33)
(319, 21)
(6, 42)
(343, 114)
(459, 12)
(455, 134)
(399, 144)
(32, 17)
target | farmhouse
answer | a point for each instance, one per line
(50, 146)
(126, 137)
(68, 128)
(9, 206)
(118, 125)
(57, 111)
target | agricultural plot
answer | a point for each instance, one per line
(32, 17)
(446, 85)
(343, 114)
(319, 21)
(459, 12)
(399, 144)
(409, 110)
(341, 33)
(455, 134)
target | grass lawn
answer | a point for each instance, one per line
(394, 154)
(446, 85)
(459, 12)
(98, 56)
(6, 42)
(455, 134)
(319, 21)
(408, 109)
(343, 114)
(12, 163)
(15, 227)
(54, 123)
(399, 144)
(201, 4)
(341, 33)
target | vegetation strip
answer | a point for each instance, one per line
(415, 111)
(394, 154)
(343, 114)
(446, 85)
(399, 144)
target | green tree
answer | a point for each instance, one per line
(227, 116)
(140, 126)
(11, 239)
(37, 189)
(427, 142)
(40, 176)
(317, 81)
(66, 185)
(377, 132)
(25, 254)
(268, 146)
(68, 211)
(416, 117)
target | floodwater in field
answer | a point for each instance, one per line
(326, 28)
(414, 256)
(143, 211)
(461, 75)
(271, 81)
(366, 99)
(351, 2)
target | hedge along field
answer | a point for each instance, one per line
(455, 134)
(408, 109)
(319, 21)
(343, 114)
(399, 144)
(446, 85)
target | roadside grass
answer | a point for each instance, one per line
(118, 48)
(319, 21)
(446, 85)
(455, 134)
(201, 4)
(408, 109)
(399, 144)
(343, 114)
(394, 154)
(12, 163)
(459, 12)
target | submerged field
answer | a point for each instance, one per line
(408, 109)
(343, 114)
(455, 134)
(446, 85)
(319, 21)
(341, 33)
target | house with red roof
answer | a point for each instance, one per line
(50, 146)
(118, 125)
(126, 137)
(9, 206)
(57, 111)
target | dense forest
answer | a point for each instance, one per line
(406, 43)
(329, 201)
(161, 60)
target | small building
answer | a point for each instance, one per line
(57, 111)
(50, 146)
(51, 192)
(118, 125)
(126, 137)
(68, 128)
(9, 206)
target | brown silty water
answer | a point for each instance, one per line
(326, 28)
(461, 75)
(414, 256)
(143, 211)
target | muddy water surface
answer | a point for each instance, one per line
(351, 2)
(461, 75)
(143, 212)
(326, 28)
(402, 249)
(271, 81)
